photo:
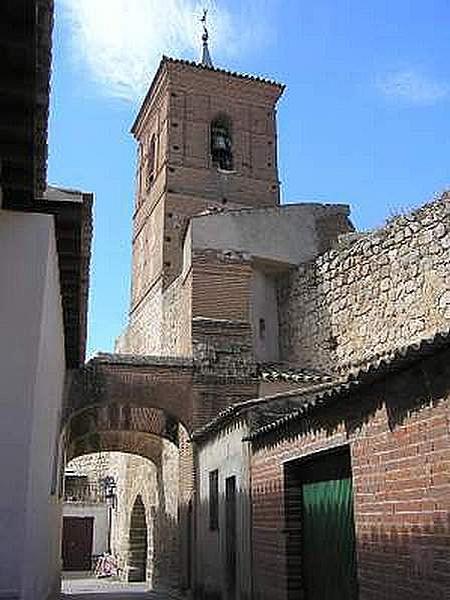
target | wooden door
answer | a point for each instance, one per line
(328, 540)
(230, 536)
(321, 557)
(77, 540)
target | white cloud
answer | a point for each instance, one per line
(121, 41)
(411, 86)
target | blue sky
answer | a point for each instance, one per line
(364, 119)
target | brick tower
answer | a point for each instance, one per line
(207, 140)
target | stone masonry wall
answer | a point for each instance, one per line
(373, 293)
(157, 484)
(135, 476)
(177, 309)
(93, 466)
(143, 334)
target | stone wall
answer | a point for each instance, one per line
(94, 466)
(373, 293)
(177, 309)
(144, 331)
(135, 477)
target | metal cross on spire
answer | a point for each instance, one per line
(206, 57)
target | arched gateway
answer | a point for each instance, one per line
(143, 407)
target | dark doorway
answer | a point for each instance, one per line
(230, 535)
(321, 558)
(138, 548)
(77, 536)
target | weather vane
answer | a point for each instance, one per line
(206, 57)
(203, 22)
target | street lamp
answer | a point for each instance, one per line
(109, 487)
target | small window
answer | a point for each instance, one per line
(262, 329)
(221, 143)
(151, 162)
(140, 171)
(214, 500)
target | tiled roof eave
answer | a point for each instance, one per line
(245, 76)
(361, 375)
(240, 408)
(276, 373)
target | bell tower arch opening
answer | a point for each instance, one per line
(222, 143)
(145, 448)
(138, 543)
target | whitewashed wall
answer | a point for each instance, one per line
(32, 372)
(230, 456)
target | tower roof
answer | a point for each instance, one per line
(166, 61)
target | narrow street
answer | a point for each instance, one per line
(84, 586)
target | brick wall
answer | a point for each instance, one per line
(328, 316)
(197, 96)
(152, 382)
(399, 436)
(221, 286)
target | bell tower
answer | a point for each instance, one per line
(206, 141)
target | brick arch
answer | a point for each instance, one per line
(160, 383)
(131, 442)
(116, 417)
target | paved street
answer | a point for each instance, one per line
(83, 586)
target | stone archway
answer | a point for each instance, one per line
(138, 543)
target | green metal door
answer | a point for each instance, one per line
(328, 540)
